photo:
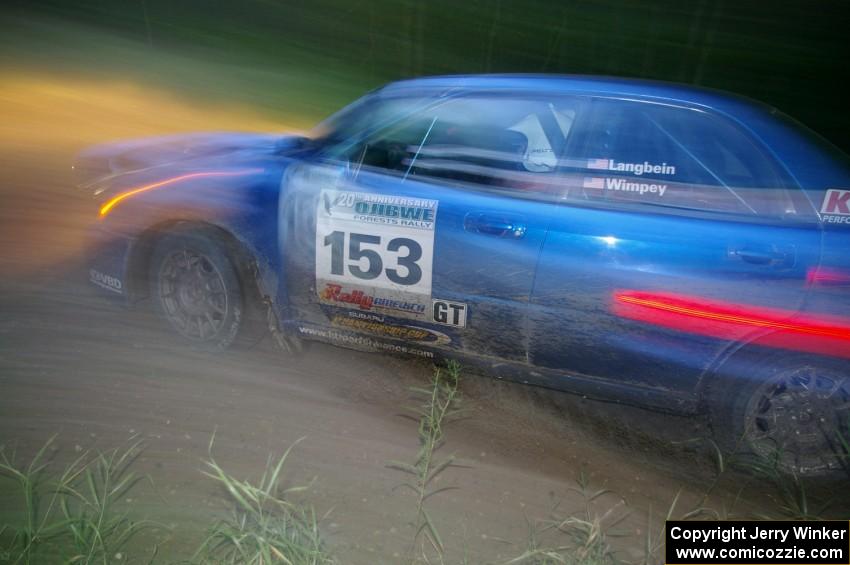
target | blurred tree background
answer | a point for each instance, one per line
(311, 56)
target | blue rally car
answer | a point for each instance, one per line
(646, 243)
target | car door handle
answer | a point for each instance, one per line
(760, 256)
(498, 225)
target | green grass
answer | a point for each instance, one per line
(73, 514)
(581, 538)
(786, 496)
(266, 526)
(788, 492)
(439, 404)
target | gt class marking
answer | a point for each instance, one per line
(449, 313)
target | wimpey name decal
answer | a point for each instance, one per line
(623, 185)
(636, 168)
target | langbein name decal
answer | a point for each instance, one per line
(636, 168)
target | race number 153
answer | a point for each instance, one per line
(367, 257)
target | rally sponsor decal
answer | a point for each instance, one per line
(637, 168)
(623, 185)
(344, 338)
(449, 313)
(105, 281)
(395, 331)
(375, 251)
(339, 295)
(836, 206)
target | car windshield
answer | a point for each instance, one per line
(368, 113)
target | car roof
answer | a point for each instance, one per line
(733, 104)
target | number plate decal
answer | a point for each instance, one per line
(374, 252)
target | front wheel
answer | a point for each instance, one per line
(195, 287)
(792, 410)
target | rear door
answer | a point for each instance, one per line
(428, 230)
(678, 236)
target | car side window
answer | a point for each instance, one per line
(675, 157)
(491, 142)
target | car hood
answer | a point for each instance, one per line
(96, 166)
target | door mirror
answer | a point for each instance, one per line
(292, 143)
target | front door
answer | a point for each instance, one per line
(426, 233)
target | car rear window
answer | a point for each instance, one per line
(672, 156)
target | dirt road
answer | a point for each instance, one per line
(97, 375)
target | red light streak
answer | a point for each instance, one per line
(827, 276)
(786, 329)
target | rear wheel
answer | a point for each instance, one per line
(196, 288)
(794, 410)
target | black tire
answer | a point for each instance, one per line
(196, 288)
(791, 409)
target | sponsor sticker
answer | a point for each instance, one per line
(375, 251)
(339, 295)
(105, 281)
(836, 206)
(357, 340)
(449, 313)
(395, 331)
